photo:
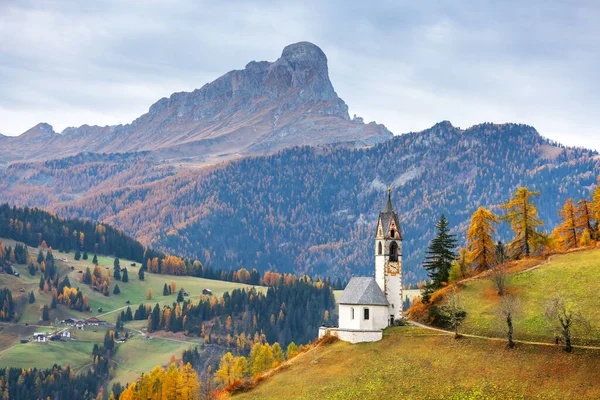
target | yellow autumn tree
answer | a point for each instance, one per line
(261, 358)
(595, 206)
(524, 221)
(584, 220)
(480, 238)
(567, 230)
(231, 369)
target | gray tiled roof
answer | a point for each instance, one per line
(363, 290)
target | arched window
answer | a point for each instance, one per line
(393, 233)
(379, 249)
(394, 251)
(351, 312)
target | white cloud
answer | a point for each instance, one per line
(405, 64)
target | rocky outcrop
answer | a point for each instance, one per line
(265, 107)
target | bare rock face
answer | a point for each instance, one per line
(263, 108)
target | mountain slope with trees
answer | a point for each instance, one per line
(313, 210)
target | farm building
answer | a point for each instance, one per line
(79, 325)
(40, 337)
(207, 292)
(24, 340)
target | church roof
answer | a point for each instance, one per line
(363, 291)
(388, 214)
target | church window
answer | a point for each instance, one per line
(351, 312)
(379, 249)
(394, 251)
(393, 233)
(366, 314)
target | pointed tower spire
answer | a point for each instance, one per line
(388, 207)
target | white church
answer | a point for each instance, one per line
(368, 305)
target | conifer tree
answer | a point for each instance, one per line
(77, 255)
(439, 257)
(117, 270)
(180, 296)
(85, 255)
(45, 313)
(165, 290)
(40, 256)
(292, 351)
(480, 238)
(585, 221)
(125, 277)
(31, 297)
(53, 302)
(95, 259)
(523, 218)
(595, 206)
(116, 290)
(567, 229)
(141, 274)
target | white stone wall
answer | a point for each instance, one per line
(352, 336)
(394, 295)
(378, 317)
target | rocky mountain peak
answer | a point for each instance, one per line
(263, 108)
(41, 130)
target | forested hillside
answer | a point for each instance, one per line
(36, 227)
(313, 210)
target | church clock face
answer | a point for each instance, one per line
(393, 269)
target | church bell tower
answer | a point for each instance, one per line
(388, 259)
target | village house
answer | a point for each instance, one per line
(79, 325)
(40, 337)
(66, 334)
(93, 321)
(370, 304)
(207, 292)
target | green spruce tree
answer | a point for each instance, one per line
(439, 258)
(117, 270)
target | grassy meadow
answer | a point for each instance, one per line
(132, 357)
(574, 275)
(420, 364)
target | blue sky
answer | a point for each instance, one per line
(406, 64)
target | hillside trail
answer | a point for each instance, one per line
(496, 339)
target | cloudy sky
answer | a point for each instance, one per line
(407, 64)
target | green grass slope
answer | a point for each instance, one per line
(133, 357)
(413, 363)
(573, 275)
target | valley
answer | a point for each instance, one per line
(132, 358)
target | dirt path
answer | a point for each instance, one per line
(495, 339)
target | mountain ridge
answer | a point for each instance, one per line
(265, 107)
(310, 209)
